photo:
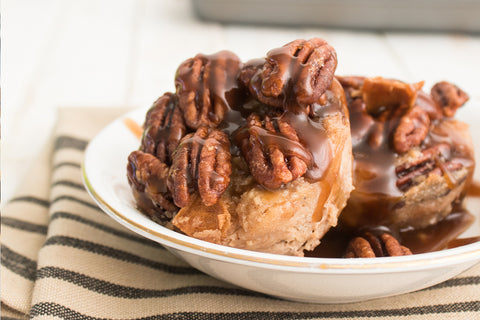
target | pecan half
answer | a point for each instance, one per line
(202, 162)
(202, 84)
(412, 129)
(272, 151)
(164, 127)
(147, 175)
(371, 246)
(431, 160)
(304, 66)
(449, 97)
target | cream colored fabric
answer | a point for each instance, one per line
(63, 258)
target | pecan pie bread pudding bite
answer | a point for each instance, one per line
(412, 161)
(255, 156)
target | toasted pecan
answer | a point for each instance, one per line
(449, 97)
(202, 162)
(273, 152)
(302, 68)
(411, 130)
(371, 246)
(164, 127)
(148, 175)
(201, 84)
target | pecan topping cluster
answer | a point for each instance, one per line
(401, 116)
(186, 145)
(181, 152)
(371, 246)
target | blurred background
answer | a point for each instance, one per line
(110, 53)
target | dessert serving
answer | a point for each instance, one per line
(255, 156)
(264, 155)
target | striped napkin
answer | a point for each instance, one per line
(63, 258)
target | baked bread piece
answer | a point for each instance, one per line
(412, 161)
(285, 220)
(255, 156)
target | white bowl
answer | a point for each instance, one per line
(317, 280)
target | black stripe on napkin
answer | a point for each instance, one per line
(120, 291)
(68, 142)
(456, 282)
(23, 225)
(31, 199)
(117, 254)
(66, 164)
(53, 309)
(17, 263)
(105, 228)
(67, 183)
(77, 200)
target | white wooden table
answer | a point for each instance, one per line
(106, 53)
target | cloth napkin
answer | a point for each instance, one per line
(63, 258)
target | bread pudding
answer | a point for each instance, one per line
(253, 155)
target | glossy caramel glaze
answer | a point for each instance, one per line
(381, 181)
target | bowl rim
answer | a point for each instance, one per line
(182, 242)
(176, 240)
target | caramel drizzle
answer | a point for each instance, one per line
(133, 127)
(474, 189)
(375, 170)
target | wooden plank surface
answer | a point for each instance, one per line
(125, 52)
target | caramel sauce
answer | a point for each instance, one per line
(376, 196)
(474, 189)
(440, 236)
(374, 166)
(313, 132)
(374, 170)
(462, 242)
(134, 127)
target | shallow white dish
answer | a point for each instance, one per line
(318, 280)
